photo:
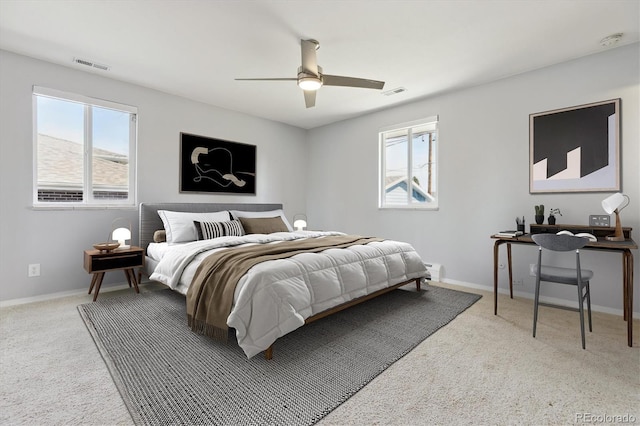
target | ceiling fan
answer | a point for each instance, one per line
(310, 77)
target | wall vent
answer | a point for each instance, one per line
(394, 91)
(435, 270)
(91, 64)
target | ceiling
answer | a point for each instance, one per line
(196, 48)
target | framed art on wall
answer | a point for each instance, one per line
(216, 165)
(575, 149)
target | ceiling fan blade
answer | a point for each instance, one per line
(309, 58)
(310, 98)
(309, 73)
(338, 80)
(268, 79)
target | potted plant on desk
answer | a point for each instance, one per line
(552, 217)
(539, 214)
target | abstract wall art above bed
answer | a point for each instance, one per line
(215, 165)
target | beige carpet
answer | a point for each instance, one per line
(479, 369)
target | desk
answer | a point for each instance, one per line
(602, 244)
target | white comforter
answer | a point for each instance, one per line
(275, 297)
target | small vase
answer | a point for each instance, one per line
(539, 219)
(552, 220)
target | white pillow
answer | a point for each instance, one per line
(179, 225)
(271, 213)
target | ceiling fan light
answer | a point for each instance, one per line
(309, 83)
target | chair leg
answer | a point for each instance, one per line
(581, 309)
(535, 305)
(589, 306)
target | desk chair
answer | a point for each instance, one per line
(572, 276)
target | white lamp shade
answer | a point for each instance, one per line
(300, 224)
(611, 203)
(121, 235)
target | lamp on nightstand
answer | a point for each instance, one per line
(612, 204)
(121, 234)
(299, 222)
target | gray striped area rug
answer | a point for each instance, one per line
(168, 375)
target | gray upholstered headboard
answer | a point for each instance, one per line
(149, 221)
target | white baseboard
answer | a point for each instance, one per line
(552, 300)
(68, 293)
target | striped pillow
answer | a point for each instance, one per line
(209, 230)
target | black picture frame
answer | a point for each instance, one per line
(209, 165)
(575, 149)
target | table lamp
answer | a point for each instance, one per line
(612, 204)
(121, 234)
(299, 222)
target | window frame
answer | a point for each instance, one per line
(88, 200)
(428, 121)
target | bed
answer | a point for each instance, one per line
(285, 278)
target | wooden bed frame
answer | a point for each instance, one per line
(268, 353)
(149, 222)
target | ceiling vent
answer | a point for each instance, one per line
(611, 40)
(91, 64)
(394, 91)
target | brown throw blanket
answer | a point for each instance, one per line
(210, 296)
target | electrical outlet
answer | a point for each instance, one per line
(34, 270)
(518, 282)
(599, 220)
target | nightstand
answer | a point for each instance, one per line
(98, 262)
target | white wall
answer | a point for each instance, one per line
(484, 175)
(56, 239)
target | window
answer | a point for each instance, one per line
(408, 165)
(84, 151)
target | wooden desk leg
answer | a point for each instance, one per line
(496, 250)
(98, 284)
(510, 270)
(625, 271)
(628, 293)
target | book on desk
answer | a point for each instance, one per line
(509, 234)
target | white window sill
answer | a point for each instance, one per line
(84, 207)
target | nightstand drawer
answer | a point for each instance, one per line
(100, 262)
(116, 262)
